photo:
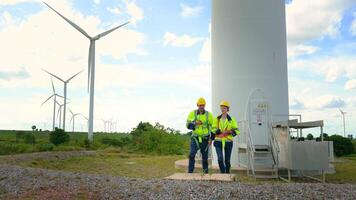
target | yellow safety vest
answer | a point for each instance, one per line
(225, 125)
(204, 129)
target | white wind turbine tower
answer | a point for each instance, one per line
(91, 66)
(73, 117)
(54, 96)
(343, 119)
(65, 82)
(60, 113)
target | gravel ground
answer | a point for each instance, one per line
(29, 183)
(18, 183)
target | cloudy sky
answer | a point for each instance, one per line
(155, 68)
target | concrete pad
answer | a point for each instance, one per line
(202, 177)
(183, 164)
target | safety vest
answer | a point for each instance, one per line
(225, 125)
(204, 129)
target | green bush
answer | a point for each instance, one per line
(19, 135)
(342, 146)
(29, 138)
(45, 147)
(149, 139)
(116, 142)
(86, 143)
(7, 148)
(58, 136)
(310, 136)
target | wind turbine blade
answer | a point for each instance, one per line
(84, 117)
(58, 103)
(54, 90)
(70, 111)
(74, 76)
(59, 95)
(109, 31)
(47, 99)
(70, 22)
(59, 109)
(53, 75)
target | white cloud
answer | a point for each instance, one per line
(96, 1)
(311, 20)
(308, 20)
(350, 84)
(296, 50)
(190, 11)
(205, 52)
(180, 41)
(328, 101)
(315, 103)
(17, 74)
(353, 25)
(44, 40)
(332, 68)
(333, 73)
(116, 11)
(7, 18)
(14, 2)
(296, 104)
(114, 104)
(134, 11)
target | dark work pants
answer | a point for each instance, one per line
(224, 166)
(204, 149)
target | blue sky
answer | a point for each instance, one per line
(155, 68)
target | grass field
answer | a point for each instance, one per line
(112, 163)
(119, 162)
(345, 170)
(10, 145)
(115, 163)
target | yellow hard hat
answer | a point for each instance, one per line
(201, 101)
(225, 103)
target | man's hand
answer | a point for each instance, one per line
(198, 122)
(209, 142)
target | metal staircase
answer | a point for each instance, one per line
(258, 147)
(262, 159)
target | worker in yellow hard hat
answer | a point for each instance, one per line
(200, 122)
(223, 130)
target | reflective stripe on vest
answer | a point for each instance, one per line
(223, 139)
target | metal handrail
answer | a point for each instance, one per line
(251, 151)
(274, 145)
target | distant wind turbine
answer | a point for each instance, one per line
(91, 65)
(54, 96)
(65, 82)
(105, 125)
(60, 113)
(343, 119)
(73, 117)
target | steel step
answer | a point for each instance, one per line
(266, 176)
(265, 170)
